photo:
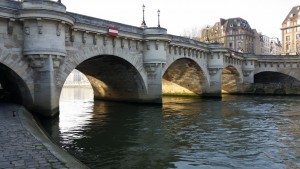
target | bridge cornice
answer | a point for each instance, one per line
(157, 37)
(274, 58)
(183, 40)
(8, 13)
(188, 46)
(101, 23)
(45, 14)
(47, 5)
(279, 60)
(9, 4)
(230, 55)
(103, 31)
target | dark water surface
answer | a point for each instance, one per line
(186, 133)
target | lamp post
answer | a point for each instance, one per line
(207, 39)
(158, 14)
(143, 25)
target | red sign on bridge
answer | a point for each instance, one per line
(113, 31)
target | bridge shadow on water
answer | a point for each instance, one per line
(186, 132)
(116, 133)
(107, 134)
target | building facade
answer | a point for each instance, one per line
(262, 44)
(235, 33)
(291, 32)
(275, 46)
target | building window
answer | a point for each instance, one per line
(231, 25)
(298, 48)
(298, 36)
(239, 45)
(287, 38)
(288, 46)
(298, 28)
(230, 45)
(288, 30)
(288, 24)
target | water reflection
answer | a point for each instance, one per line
(119, 135)
(186, 133)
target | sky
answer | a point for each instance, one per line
(176, 16)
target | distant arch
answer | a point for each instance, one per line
(113, 78)
(294, 74)
(14, 88)
(184, 77)
(231, 80)
(75, 58)
(277, 83)
(268, 77)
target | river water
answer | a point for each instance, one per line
(185, 133)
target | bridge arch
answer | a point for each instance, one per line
(231, 80)
(184, 76)
(295, 73)
(14, 88)
(113, 74)
(272, 82)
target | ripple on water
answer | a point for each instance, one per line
(186, 133)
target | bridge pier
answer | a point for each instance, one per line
(44, 48)
(248, 76)
(45, 89)
(154, 58)
(154, 82)
(215, 69)
(215, 83)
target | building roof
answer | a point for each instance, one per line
(293, 14)
(233, 23)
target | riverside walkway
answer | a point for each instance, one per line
(24, 145)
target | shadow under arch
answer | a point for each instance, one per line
(13, 88)
(184, 77)
(113, 78)
(274, 77)
(231, 79)
(277, 83)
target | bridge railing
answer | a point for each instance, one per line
(10, 4)
(194, 42)
(272, 57)
(104, 23)
(279, 56)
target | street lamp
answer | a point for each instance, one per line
(207, 39)
(143, 25)
(158, 14)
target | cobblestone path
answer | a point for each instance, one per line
(18, 148)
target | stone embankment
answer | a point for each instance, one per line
(24, 145)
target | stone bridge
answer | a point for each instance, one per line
(41, 44)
